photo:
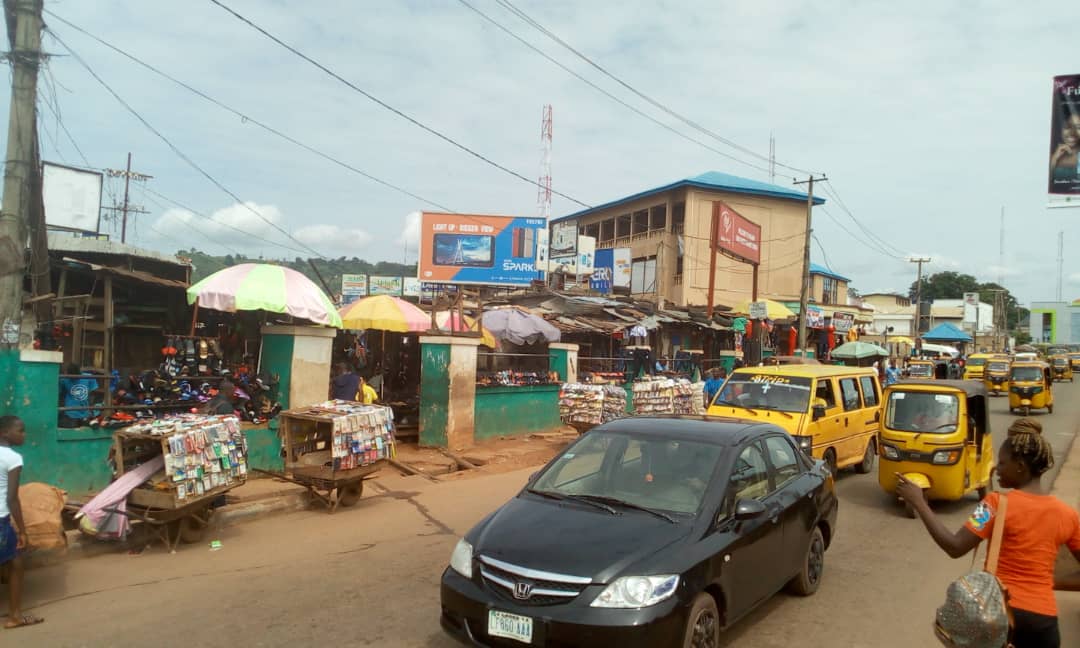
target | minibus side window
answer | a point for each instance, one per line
(869, 390)
(824, 391)
(850, 392)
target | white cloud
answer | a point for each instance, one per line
(230, 222)
(996, 271)
(334, 238)
(1074, 278)
(410, 234)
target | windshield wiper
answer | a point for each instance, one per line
(734, 404)
(577, 498)
(775, 408)
(623, 503)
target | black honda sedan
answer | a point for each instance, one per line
(648, 531)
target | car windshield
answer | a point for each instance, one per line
(1060, 362)
(921, 370)
(766, 391)
(1031, 374)
(643, 471)
(999, 367)
(976, 362)
(916, 411)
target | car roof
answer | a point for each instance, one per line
(719, 430)
(970, 387)
(807, 371)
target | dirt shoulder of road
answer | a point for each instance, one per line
(1066, 485)
(492, 456)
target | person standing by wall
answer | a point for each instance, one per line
(345, 383)
(12, 528)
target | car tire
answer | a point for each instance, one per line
(702, 624)
(867, 463)
(830, 461)
(807, 581)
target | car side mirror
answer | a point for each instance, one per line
(748, 509)
(819, 412)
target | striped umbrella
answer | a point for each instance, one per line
(449, 321)
(261, 286)
(384, 313)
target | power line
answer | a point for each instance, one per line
(605, 92)
(176, 150)
(396, 111)
(686, 120)
(248, 118)
(833, 193)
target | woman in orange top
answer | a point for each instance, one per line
(1036, 525)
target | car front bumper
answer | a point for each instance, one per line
(465, 606)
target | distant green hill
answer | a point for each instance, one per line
(330, 269)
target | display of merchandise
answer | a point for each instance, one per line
(202, 453)
(591, 404)
(362, 434)
(517, 378)
(665, 396)
(698, 399)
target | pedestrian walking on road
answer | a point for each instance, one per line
(712, 385)
(892, 374)
(1036, 525)
(12, 529)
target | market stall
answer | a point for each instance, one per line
(656, 395)
(335, 446)
(584, 406)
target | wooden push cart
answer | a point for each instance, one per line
(335, 478)
(158, 503)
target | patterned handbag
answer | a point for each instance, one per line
(976, 611)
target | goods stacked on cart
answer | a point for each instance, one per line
(664, 396)
(202, 453)
(591, 404)
(517, 378)
(687, 400)
(363, 434)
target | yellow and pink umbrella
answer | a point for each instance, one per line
(384, 313)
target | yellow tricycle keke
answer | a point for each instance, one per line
(1061, 368)
(1074, 360)
(936, 433)
(1030, 387)
(919, 369)
(996, 377)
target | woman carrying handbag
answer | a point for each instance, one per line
(1036, 525)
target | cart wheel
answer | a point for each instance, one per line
(192, 529)
(350, 494)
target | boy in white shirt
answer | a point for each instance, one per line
(12, 529)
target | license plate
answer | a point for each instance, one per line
(510, 626)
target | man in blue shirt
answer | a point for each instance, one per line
(76, 392)
(712, 385)
(892, 374)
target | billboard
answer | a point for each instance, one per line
(563, 241)
(602, 280)
(475, 249)
(1065, 136)
(620, 268)
(72, 197)
(353, 287)
(384, 286)
(815, 317)
(843, 322)
(411, 287)
(586, 254)
(736, 235)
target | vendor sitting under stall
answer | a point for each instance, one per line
(223, 403)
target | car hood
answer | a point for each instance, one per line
(574, 538)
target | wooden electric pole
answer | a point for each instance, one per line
(918, 300)
(804, 293)
(126, 208)
(24, 31)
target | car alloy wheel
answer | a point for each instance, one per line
(815, 560)
(703, 624)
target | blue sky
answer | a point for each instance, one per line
(927, 118)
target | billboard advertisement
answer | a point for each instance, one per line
(353, 287)
(72, 197)
(603, 280)
(586, 254)
(620, 268)
(736, 235)
(411, 287)
(563, 241)
(475, 249)
(384, 286)
(1065, 136)
(815, 317)
(842, 322)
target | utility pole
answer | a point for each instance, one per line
(126, 208)
(918, 299)
(24, 31)
(804, 293)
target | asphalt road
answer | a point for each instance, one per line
(369, 575)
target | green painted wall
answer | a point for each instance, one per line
(508, 411)
(434, 393)
(264, 448)
(559, 362)
(277, 355)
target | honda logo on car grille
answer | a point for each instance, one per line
(522, 590)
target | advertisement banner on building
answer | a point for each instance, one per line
(353, 287)
(72, 197)
(843, 322)
(1065, 136)
(563, 241)
(602, 280)
(737, 235)
(411, 287)
(384, 286)
(621, 268)
(586, 254)
(474, 249)
(542, 248)
(815, 317)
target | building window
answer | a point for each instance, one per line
(658, 218)
(678, 217)
(622, 226)
(829, 290)
(592, 229)
(643, 275)
(641, 222)
(607, 230)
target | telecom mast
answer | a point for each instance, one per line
(543, 194)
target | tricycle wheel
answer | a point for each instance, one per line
(1026, 410)
(349, 494)
(1049, 409)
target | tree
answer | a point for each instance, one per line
(953, 285)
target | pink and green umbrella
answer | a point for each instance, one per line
(261, 286)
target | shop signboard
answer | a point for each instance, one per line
(815, 318)
(72, 197)
(842, 322)
(586, 254)
(759, 310)
(475, 249)
(353, 287)
(602, 280)
(384, 286)
(621, 269)
(564, 238)
(411, 287)
(542, 248)
(736, 235)
(1065, 136)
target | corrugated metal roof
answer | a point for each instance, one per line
(825, 272)
(136, 275)
(713, 181)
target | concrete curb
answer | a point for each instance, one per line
(82, 546)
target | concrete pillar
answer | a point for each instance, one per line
(563, 360)
(300, 356)
(448, 391)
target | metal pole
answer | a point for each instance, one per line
(804, 292)
(712, 258)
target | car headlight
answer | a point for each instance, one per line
(946, 457)
(461, 560)
(637, 591)
(890, 452)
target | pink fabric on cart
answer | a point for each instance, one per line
(115, 497)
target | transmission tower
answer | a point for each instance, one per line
(543, 193)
